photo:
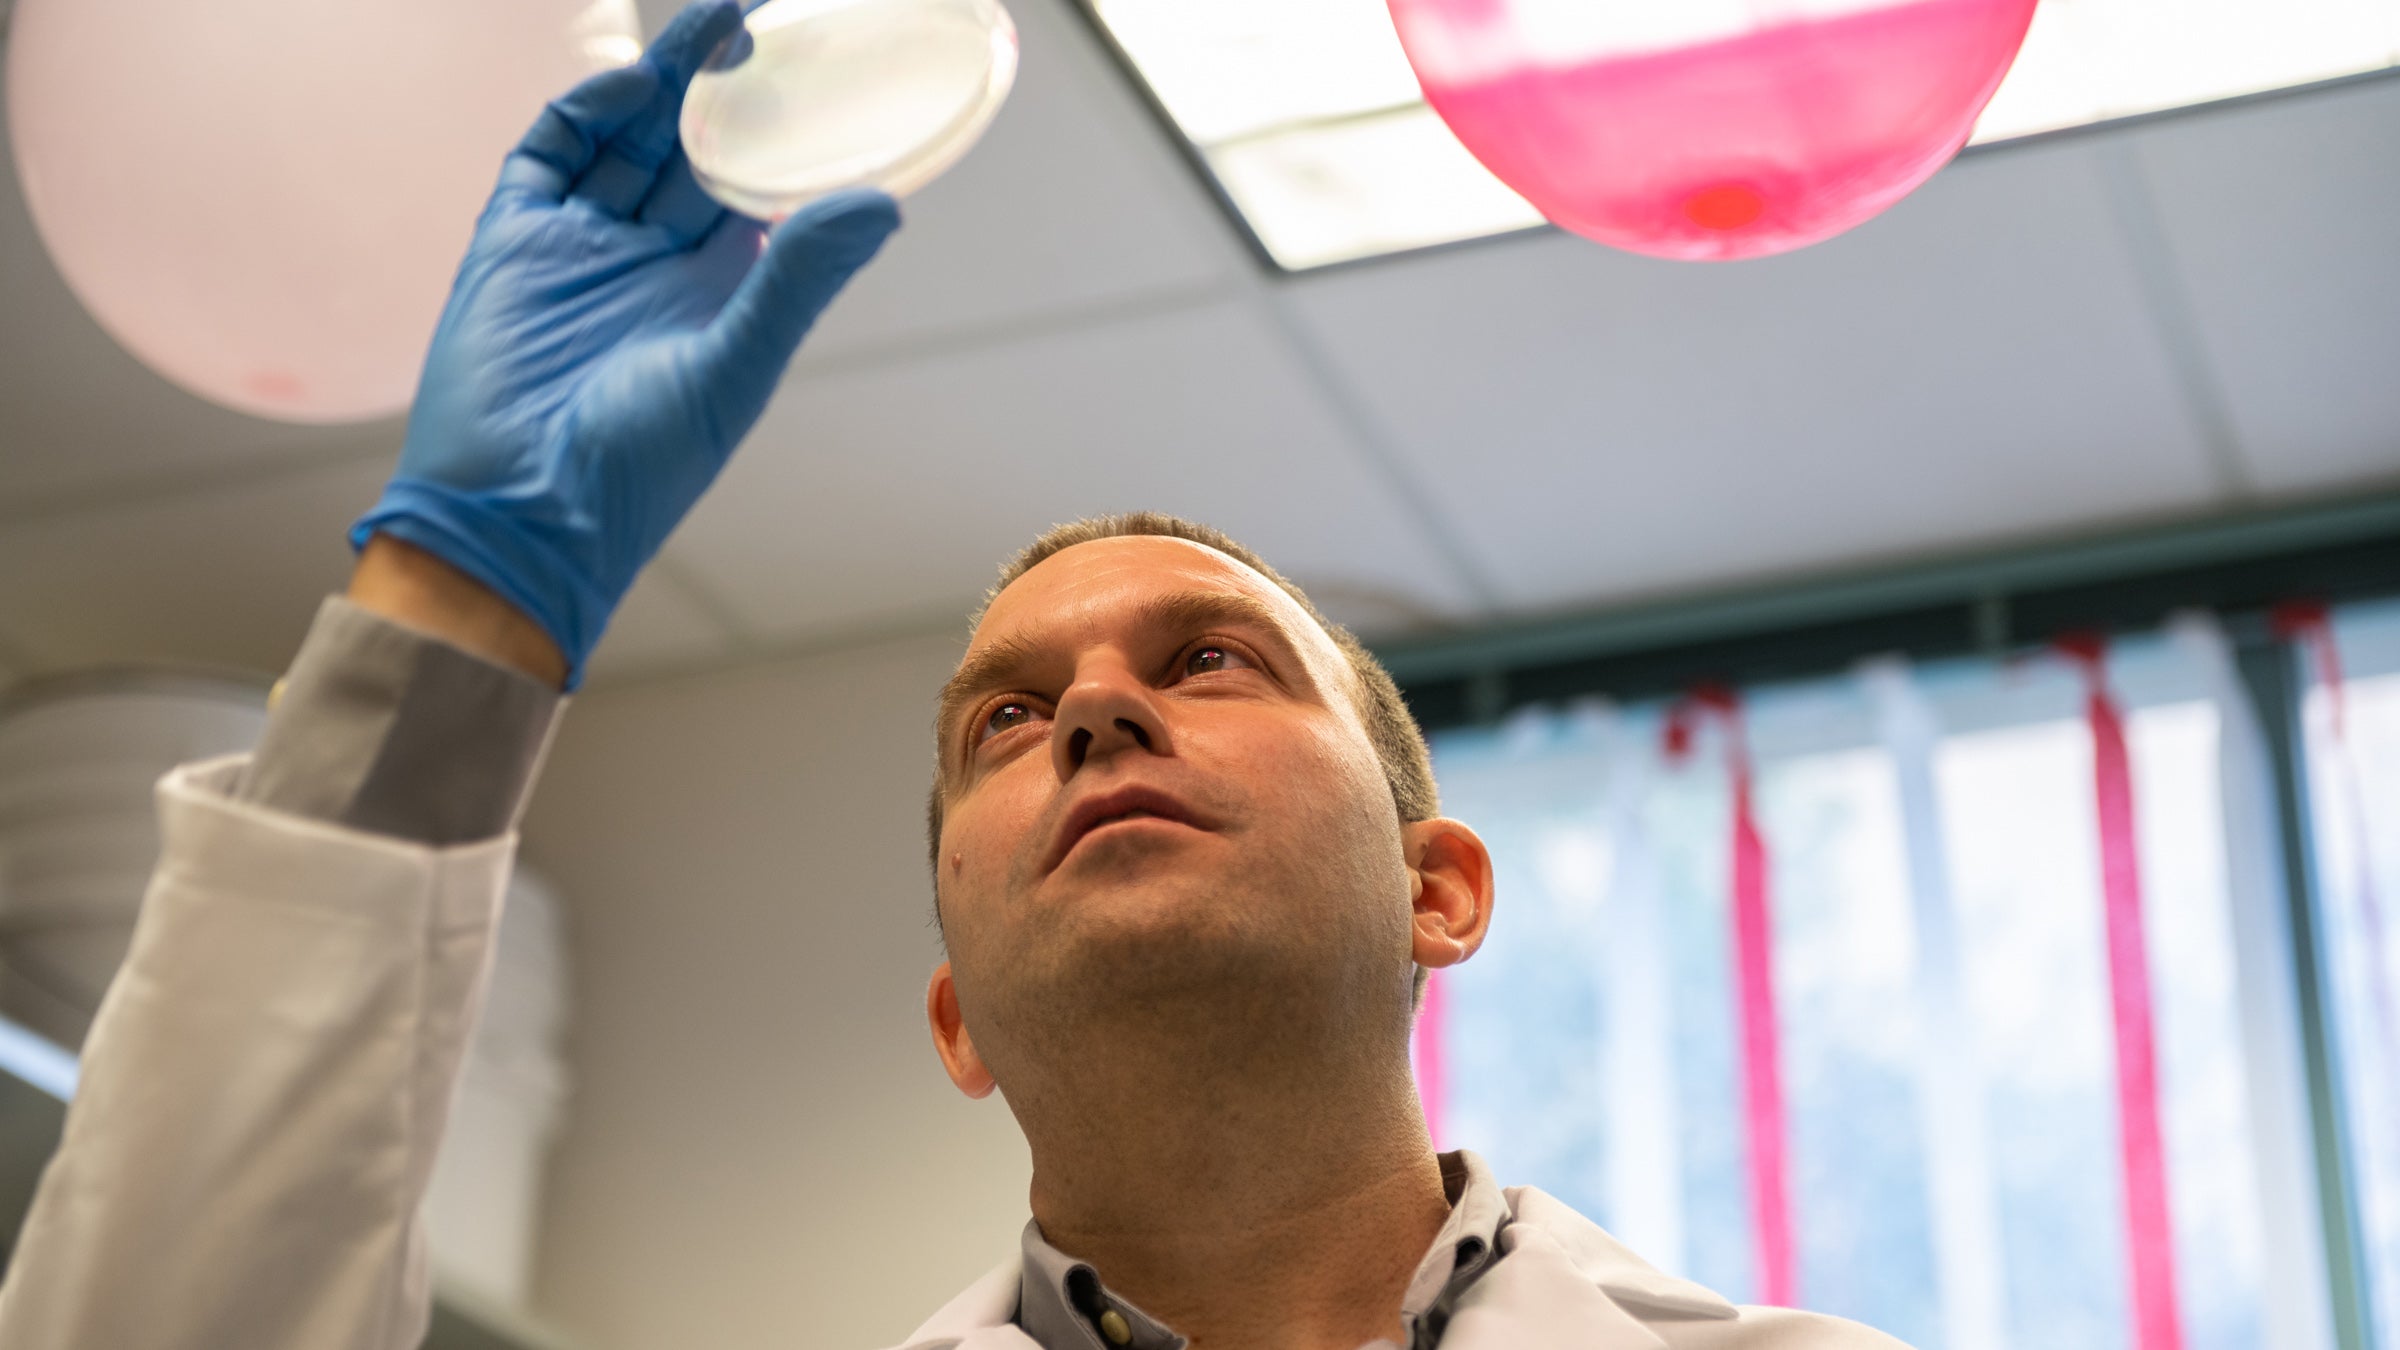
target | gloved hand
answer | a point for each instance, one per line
(611, 336)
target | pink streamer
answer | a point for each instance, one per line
(1433, 1087)
(2149, 1232)
(1754, 980)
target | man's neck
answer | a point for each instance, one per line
(1261, 1209)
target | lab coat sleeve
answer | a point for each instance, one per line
(263, 1091)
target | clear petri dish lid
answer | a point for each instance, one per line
(811, 96)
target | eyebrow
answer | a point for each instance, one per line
(1006, 661)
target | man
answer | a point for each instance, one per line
(1185, 846)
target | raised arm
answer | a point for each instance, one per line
(266, 1085)
(612, 335)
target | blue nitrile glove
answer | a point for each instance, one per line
(612, 334)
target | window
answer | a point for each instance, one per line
(1307, 113)
(2354, 797)
(1949, 1020)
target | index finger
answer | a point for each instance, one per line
(626, 169)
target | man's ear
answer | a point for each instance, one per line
(950, 1038)
(1451, 876)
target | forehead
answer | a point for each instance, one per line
(1077, 594)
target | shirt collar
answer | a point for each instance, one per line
(1063, 1305)
(1466, 1246)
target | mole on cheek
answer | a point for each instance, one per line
(957, 861)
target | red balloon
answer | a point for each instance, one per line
(1711, 129)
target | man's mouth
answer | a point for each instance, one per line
(1116, 807)
(1130, 815)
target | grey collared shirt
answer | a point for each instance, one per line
(1063, 1305)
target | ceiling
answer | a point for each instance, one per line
(2187, 316)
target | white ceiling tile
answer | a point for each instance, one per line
(660, 626)
(893, 492)
(2280, 220)
(1075, 201)
(1977, 363)
(79, 415)
(227, 576)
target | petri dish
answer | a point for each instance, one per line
(811, 96)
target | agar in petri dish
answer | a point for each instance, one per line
(811, 96)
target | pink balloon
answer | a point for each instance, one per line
(265, 200)
(1711, 129)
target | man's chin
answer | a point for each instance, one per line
(1162, 906)
(1147, 935)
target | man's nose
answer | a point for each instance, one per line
(1108, 710)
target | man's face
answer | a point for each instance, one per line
(1157, 783)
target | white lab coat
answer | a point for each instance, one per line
(263, 1091)
(268, 1079)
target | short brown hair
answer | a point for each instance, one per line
(1393, 731)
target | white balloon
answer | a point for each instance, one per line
(265, 200)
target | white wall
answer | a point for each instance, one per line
(762, 1151)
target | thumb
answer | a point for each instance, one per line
(807, 261)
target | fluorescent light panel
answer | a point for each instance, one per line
(1308, 114)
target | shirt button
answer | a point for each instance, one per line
(1114, 1326)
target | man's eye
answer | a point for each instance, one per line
(1209, 656)
(1005, 717)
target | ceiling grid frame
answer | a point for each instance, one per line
(2168, 302)
(2173, 312)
